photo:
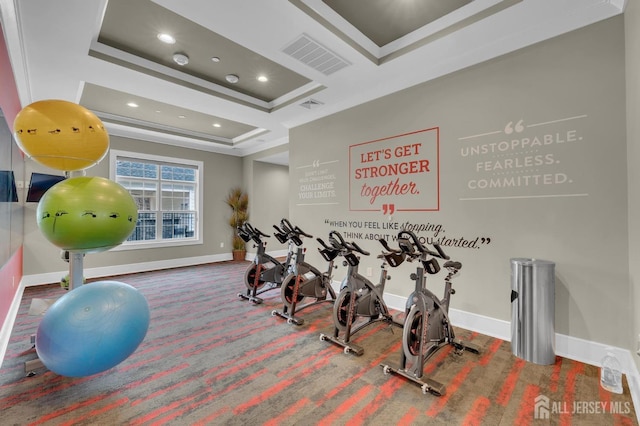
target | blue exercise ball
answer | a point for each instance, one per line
(92, 328)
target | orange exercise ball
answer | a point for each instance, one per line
(61, 135)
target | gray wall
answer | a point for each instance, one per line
(270, 199)
(547, 123)
(268, 194)
(632, 39)
(221, 172)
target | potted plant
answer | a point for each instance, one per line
(238, 201)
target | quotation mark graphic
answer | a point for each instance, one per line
(484, 240)
(388, 208)
(518, 128)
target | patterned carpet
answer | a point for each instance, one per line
(211, 358)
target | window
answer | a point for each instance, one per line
(168, 193)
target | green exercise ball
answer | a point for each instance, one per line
(87, 214)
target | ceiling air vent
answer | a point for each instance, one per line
(312, 53)
(311, 103)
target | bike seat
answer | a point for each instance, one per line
(450, 264)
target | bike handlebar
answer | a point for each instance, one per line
(357, 248)
(286, 225)
(247, 232)
(387, 248)
(259, 232)
(289, 228)
(337, 242)
(421, 248)
(290, 232)
(344, 245)
(301, 232)
(411, 248)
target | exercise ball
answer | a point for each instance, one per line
(86, 214)
(92, 328)
(65, 281)
(61, 135)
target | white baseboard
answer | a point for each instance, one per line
(276, 254)
(485, 325)
(54, 277)
(107, 271)
(633, 378)
(7, 327)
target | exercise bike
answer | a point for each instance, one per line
(360, 302)
(305, 280)
(265, 272)
(427, 327)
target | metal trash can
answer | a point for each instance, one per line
(533, 334)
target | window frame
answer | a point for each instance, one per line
(171, 242)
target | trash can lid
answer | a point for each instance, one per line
(530, 261)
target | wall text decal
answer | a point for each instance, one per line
(317, 183)
(523, 160)
(427, 232)
(397, 173)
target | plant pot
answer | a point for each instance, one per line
(239, 255)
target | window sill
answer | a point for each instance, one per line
(157, 244)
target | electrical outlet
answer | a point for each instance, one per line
(221, 245)
(369, 272)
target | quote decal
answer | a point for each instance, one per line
(397, 173)
(524, 160)
(366, 231)
(317, 183)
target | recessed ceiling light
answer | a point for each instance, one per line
(181, 59)
(232, 78)
(263, 78)
(216, 124)
(166, 38)
(182, 116)
(132, 104)
(215, 59)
